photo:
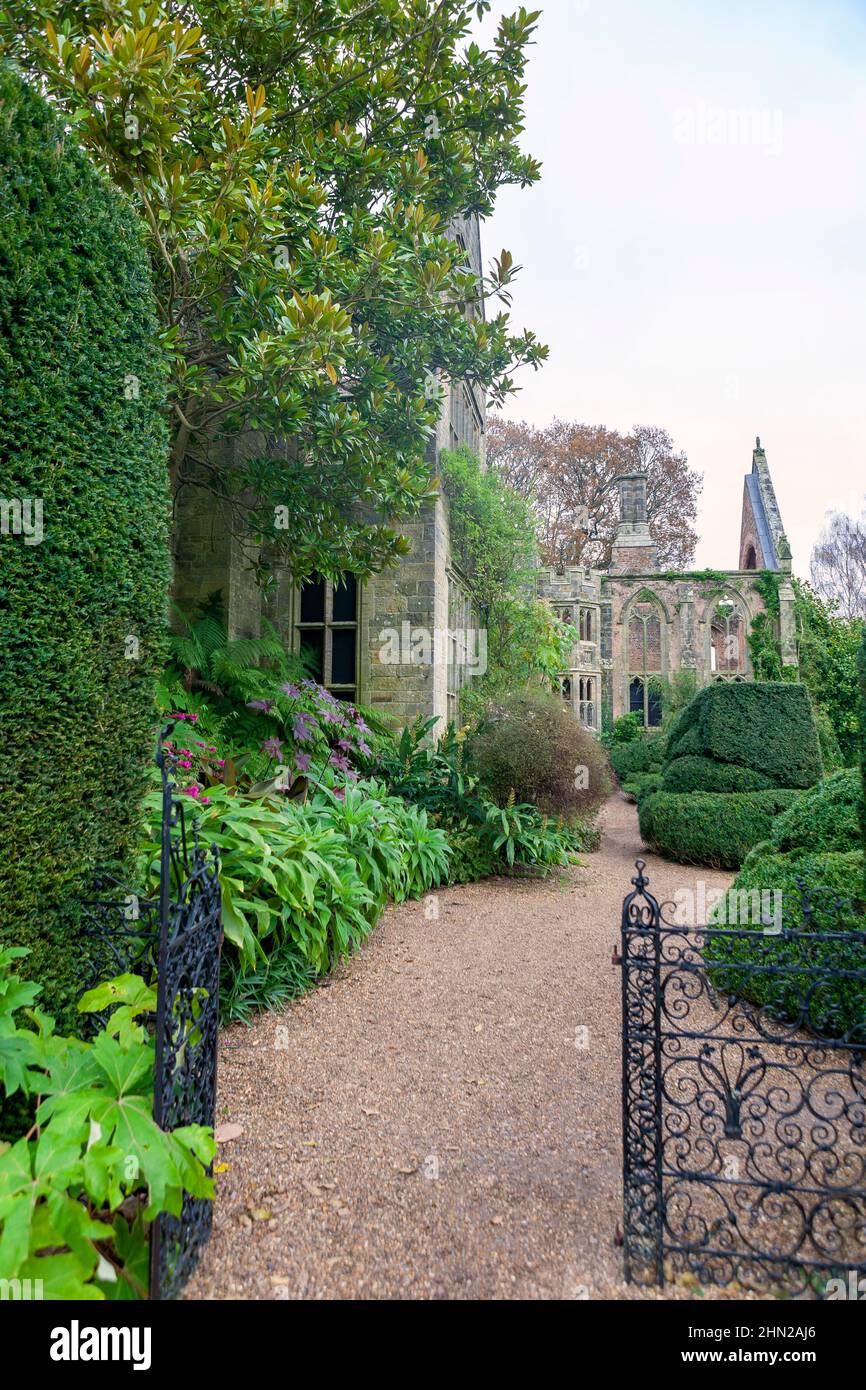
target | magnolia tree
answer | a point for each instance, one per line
(296, 165)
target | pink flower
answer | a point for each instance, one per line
(193, 790)
(185, 762)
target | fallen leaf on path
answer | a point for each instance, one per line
(223, 1133)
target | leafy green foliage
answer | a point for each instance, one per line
(485, 837)
(642, 785)
(82, 388)
(531, 748)
(280, 976)
(79, 1189)
(828, 647)
(627, 728)
(316, 874)
(713, 828)
(644, 754)
(296, 167)
(768, 728)
(836, 1006)
(493, 535)
(697, 774)
(227, 672)
(827, 653)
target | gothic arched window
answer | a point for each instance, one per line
(644, 653)
(727, 639)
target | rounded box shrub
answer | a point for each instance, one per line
(694, 773)
(644, 754)
(83, 444)
(530, 746)
(713, 828)
(826, 817)
(819, 891)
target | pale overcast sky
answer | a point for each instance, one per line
(695, 253)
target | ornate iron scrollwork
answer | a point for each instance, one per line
(744, 1095)
(176, 940)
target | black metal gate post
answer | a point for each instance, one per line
(641, 1073)
(187, 1021)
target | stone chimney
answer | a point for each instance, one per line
(634, 550)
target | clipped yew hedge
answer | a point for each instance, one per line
(713, 828)
(694, 773)
(767, 727)
(82, 431)
(833, 1006)
(825, 818)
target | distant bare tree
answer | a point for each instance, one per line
(569, 471)
(839, 564)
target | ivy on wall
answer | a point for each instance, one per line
(827, 651)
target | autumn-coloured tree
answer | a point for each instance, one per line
(569, 470)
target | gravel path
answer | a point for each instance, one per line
(443, 1119)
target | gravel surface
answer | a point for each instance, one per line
(442, 1120)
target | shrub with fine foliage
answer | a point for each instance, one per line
(767, 727)
(713, 828)
(82, 611)
(697, 774)
(824, 818)
(531, 748)
(646, 753)
(830, 1004)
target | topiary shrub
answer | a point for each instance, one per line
(824, 818)
(832, 1007)
(694, 773)
(645, 754)
(713, 828)
(83, 607)
(532, 748)
(767, 727)
(642, 785)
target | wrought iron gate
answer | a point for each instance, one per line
(176, 940)
(744, 1093)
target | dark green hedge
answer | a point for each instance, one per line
(643, 784)
(826, 817)
(767, 727)
(835, 1007)
(77, 324)
(643, 754)
(696, 774)
(713, 828)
